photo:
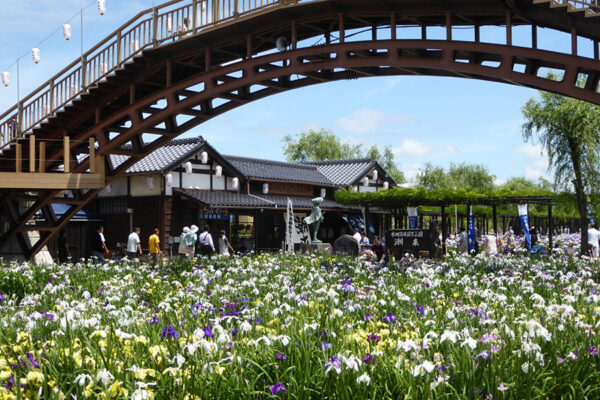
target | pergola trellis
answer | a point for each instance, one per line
(492, 201)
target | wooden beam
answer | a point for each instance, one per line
(36, 180)
(42, 166)
(18, 157)
(31, 153)
(67, 154)
(92, 155)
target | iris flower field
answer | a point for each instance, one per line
(309, 326)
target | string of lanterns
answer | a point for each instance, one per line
(67, 32)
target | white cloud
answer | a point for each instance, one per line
(451, 149)
(530, 150)
(367, 120)
(499, 181)
(411, 170)
(533, 173)
(411, 148)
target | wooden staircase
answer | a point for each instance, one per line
(587, 8)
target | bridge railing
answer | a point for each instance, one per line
(171, 21)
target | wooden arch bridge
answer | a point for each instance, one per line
(179, 64)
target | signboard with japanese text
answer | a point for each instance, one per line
(413, 241)
(300, 232)
(213, 214)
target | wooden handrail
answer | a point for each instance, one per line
(146, 29)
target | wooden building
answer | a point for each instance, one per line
(188, 182)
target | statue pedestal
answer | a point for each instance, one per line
(320, 247)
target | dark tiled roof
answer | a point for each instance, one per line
(278, 170)
(163, 158)
(234, 199)
(344, 172)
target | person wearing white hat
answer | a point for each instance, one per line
(182, 247)
(190, 241)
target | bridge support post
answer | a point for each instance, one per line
(342, 30)
(393, 25)
(448, 26)
(573, 41)
(508, 29)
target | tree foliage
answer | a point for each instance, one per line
(324, 145)
(459, 176)
(568, 129)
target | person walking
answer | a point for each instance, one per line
(98, 245)
(491, 243)
(224, 245)
(463, 241)
(133, 244)
(182, 251)
(154, 246)
(356, 235)
(207, 247)
(63, 248)
(190, 241)
(593, 241)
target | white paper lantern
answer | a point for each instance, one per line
(218, 171)
(386, 185)
(235, 183)
(169, 25)
(323, 192)
(365, 181)
(188, 168)
(108, 188)
(375, 175)
(265, 188)
(204, 157)
(6, 78)
(35, 55)
(102, 68)
(67, 31)
(169, 179)
(135, 46)
(150, 183)
(101, 6)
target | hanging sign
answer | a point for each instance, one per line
(524, 217)
(413, 220)
(409, 240)
(290, 227)
(472, 235)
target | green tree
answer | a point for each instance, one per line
(471, 176)
(568, 129)
(432, 177)
(386, 160)
(325, 145)
(317, 146)
(459, 176)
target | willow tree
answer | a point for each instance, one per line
(569, 131)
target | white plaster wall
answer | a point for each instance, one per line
(219, 183)
(118, 188)
(193, 180)
(139, 186)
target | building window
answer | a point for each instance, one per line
(113, 206)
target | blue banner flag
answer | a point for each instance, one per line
(413, 218)
(472, 236)
(524, 217)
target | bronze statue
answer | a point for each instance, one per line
(315, 218)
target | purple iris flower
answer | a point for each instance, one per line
(593, 350)
(234, 332)
(483, 354)
(11, 383)
(2, 297)
(369, 359)
(278, 387)
(325, 346)
(280, 356)
(334, 362)
(154, 320)
(368, 317)
(208, 331)
(390, 318)
(348, 288)
(34, 363)
(420, 310)
(169, 332)
(373, 338)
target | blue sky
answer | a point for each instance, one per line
(424, 119)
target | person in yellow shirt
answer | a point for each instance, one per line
(154, 246)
